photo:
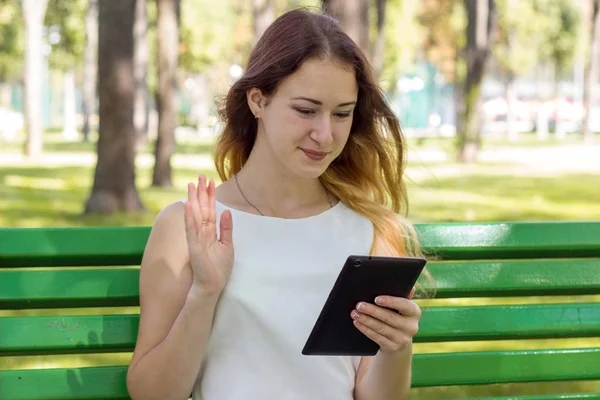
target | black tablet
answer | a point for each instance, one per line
(362, 278)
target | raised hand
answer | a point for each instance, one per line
(211, 257)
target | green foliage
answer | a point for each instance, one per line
(65, 20)
(444, 22)
(552, 27)
(11, 41)
(542, 30)
(561, 32)
(519, 25)
(403, 37)
(207, 33)
(215, 34)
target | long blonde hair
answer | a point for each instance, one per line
(368, 176)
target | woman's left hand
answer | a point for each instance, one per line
(380, 322)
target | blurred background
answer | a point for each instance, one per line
(108, 108)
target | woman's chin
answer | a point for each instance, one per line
(310, 171)
(306, 168)
(303, 166)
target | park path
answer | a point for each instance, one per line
(551, 159)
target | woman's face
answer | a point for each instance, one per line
(305, 124)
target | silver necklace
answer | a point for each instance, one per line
(256, 208)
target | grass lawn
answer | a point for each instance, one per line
(53, 194)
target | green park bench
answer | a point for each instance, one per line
(71, 268)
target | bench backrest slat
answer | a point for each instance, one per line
(117, 333)
(81, 246)
(517, 240)
(68, 334)
(51, 288)
(103, 287)
(106, 383)
(559, 396)
(95, 246)
(473, 368)
(548, 277)
(428, 370)
(507, 322)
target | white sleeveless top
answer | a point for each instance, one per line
(282, 274)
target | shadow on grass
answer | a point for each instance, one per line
(57, 145)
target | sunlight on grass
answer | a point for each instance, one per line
(32, 182)
(475, 196)
(55, 196)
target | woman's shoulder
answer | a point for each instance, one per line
(169, 222)
(351, 216)
(354, 225)
(172, 212)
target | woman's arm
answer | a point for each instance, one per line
(387, 375)
(175, 318)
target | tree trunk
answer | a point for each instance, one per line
(168, 40)
(141, 107)
(481, 21)
(70, 106)
(114, 180)
(90, 72)
(263, 16)
(544, 111)
(378, 49)
(591, 73)
(6, 95)
(8, 129)
(353, 17)
(511, 99)
(560, 128)
(33, 14)
(200, 98)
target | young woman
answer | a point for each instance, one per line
(233, 279)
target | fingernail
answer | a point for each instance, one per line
(379, 300)
(360, 306)
(354, 314)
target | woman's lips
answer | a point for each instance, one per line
(314, 155)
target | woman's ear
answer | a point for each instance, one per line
(256, 101)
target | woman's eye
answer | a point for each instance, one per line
(342, 115)
(305, 111)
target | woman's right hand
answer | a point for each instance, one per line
(211, 257)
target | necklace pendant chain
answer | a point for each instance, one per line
(244, 196)
(256, 208)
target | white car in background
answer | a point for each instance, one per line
(11, 123)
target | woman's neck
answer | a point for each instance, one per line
(274, 190)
